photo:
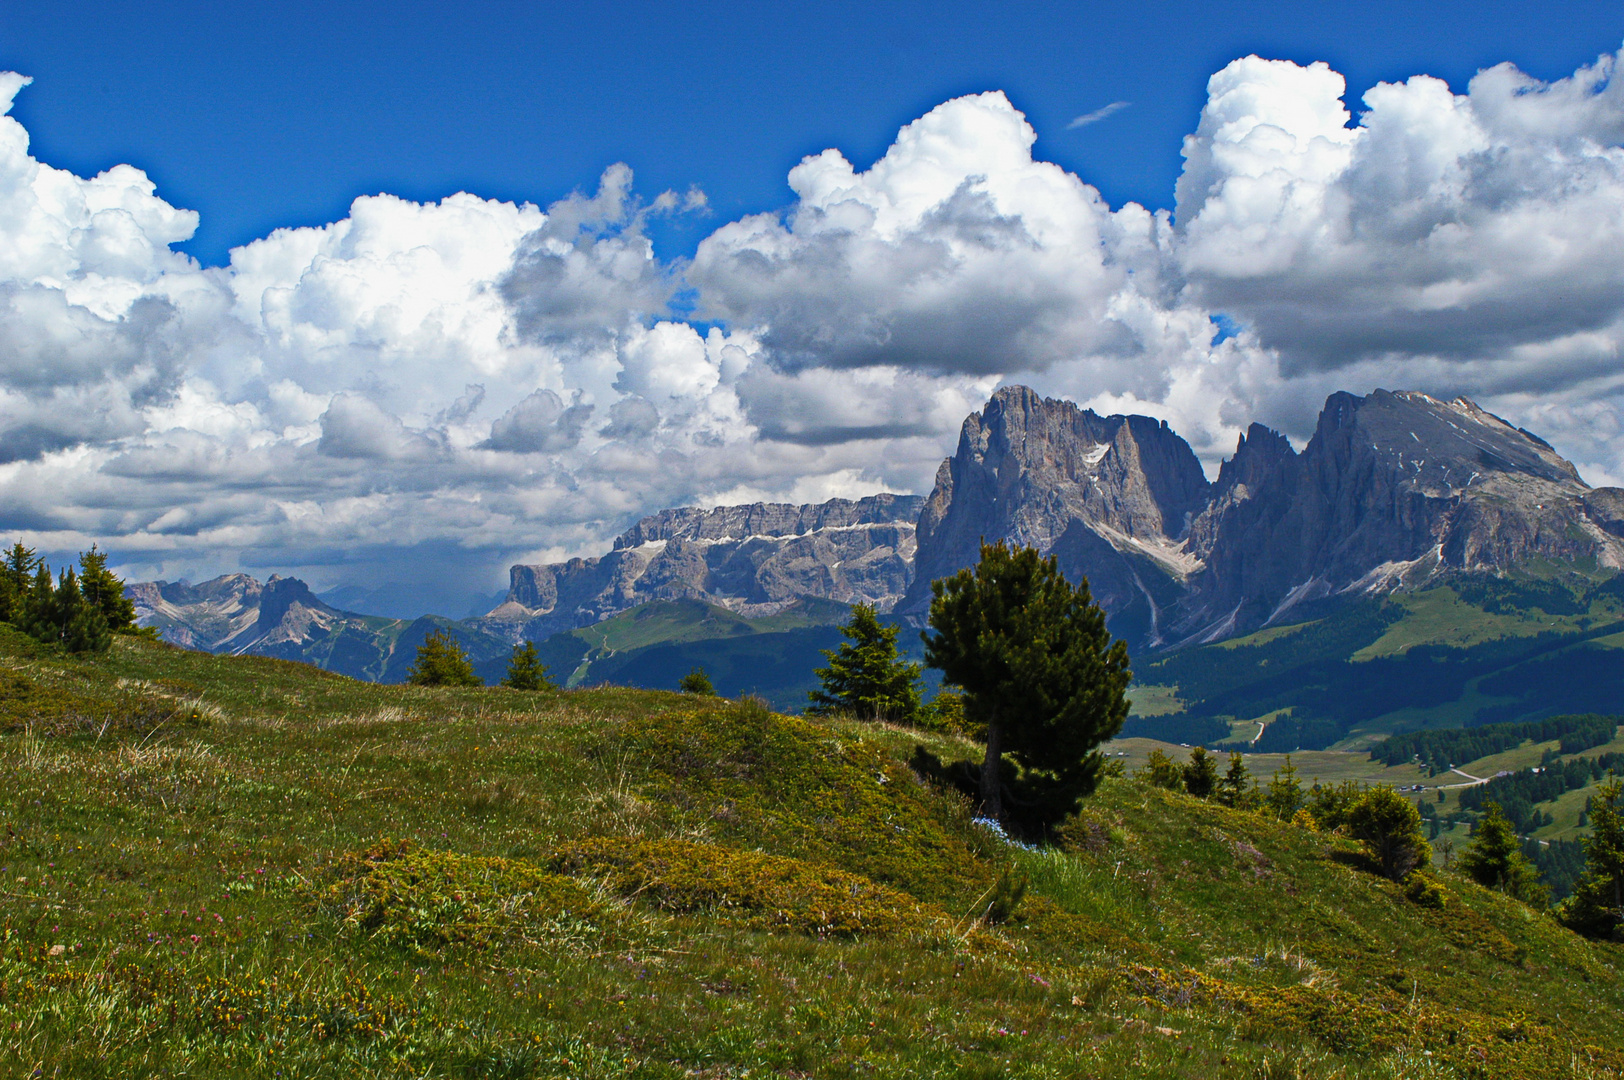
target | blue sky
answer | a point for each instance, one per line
(264, 116)
(844, 226)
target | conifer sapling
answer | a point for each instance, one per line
(526, 671)
(865, 678)
(441, 662)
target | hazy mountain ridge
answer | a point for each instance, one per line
(755, 559)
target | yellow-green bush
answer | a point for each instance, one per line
(797, 787)
(399, 894)
(748, 888)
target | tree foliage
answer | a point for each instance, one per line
(79, 611)
(441, 662)
(526, 671)
(1389, 825)
(697, 682)
(16, 575)
(1285, 795)
(865, 678)
(1237, 782)
(1039, 669)
(1495, 859)
(104, 590)
(1162, 771)
(1596, 907)
(1201, 774)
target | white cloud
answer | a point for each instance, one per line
(462, 382)
(1098, 114)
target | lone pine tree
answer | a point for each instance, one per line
(441, 662)
(698, 683)
(1039, 669)
(526, 671)
(1495, 859)
(865, 678)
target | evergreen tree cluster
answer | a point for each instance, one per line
(1443, 749)
(80, 610)
(1516, 794)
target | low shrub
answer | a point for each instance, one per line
(747, 888)
(397, 893)
(760, 779)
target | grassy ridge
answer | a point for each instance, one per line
(274, 870)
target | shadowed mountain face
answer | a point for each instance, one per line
(1394, 489)
(1112, 497)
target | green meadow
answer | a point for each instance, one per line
(216, 866)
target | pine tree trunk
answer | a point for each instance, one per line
(992, 793)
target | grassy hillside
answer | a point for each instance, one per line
(244, 866)
(1479, 651)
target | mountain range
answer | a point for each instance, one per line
(1395, 493)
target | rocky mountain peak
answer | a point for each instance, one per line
(1258, 453)
(1108, 495)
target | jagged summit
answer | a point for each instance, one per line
(1112, 497)
(1392, 490)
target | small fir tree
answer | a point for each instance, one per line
(1495, 859)
(104, 590)
(1389, 825)
(37, 614)
(865, 678)
(526, 671)
(16, 574)
(1201, 774)
(441, 662)
(1330, 803)
(1285, 795)
(697, 682)
(1233, 787)
(83, 627)
(1596, 908)
(1163, 772)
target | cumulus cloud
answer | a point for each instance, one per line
(539, 424)
(469, 382)
(955, 252)
(1483, 229)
